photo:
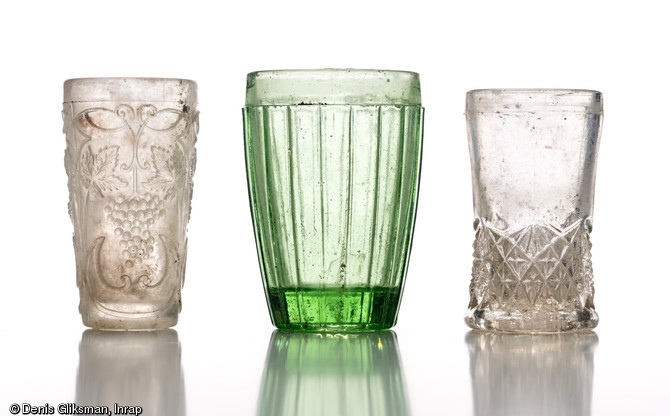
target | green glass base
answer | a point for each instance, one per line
(334, 309)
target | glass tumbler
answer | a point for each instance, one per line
(333, 160)
(533, 156)
(130, 159)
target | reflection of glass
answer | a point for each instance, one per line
(132, 369)
(333, 374)
(531, 374)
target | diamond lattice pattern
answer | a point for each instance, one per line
(535, 267)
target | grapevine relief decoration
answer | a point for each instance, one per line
(97, 170)
(130, 164)
(169, 171)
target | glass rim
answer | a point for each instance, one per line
(131, 89)
(334, 71)
(556, 91)
(332, 86)
(532, 100)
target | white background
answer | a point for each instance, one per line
(620, 49)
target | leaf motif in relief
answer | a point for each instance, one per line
(169, 171)
(97, 170)
(70, 156)
(70, 169)
(191, 165)
(69, 160)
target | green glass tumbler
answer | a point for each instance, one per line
(333, 161)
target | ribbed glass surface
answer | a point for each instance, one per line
(333, 190)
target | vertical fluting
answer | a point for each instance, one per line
(256, 151)
(375, 204)
(274, 259)
(417, 141)
(292, 156)
(398, 220)
(320, 185)
(333, 190)
(349, 213)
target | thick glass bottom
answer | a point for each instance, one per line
(334, 309)
(97, 317)
(532, 322)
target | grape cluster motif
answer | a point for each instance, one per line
(132, 219)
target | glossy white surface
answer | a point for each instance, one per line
(224, 330)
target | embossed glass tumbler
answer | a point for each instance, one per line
(533, 155)
(333, 160)
(130, 159)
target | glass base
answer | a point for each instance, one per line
(532, 322)
(334, 309)
(97, 317)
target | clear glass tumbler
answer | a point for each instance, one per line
(333, 160)
(130, 159)
(533, 155)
